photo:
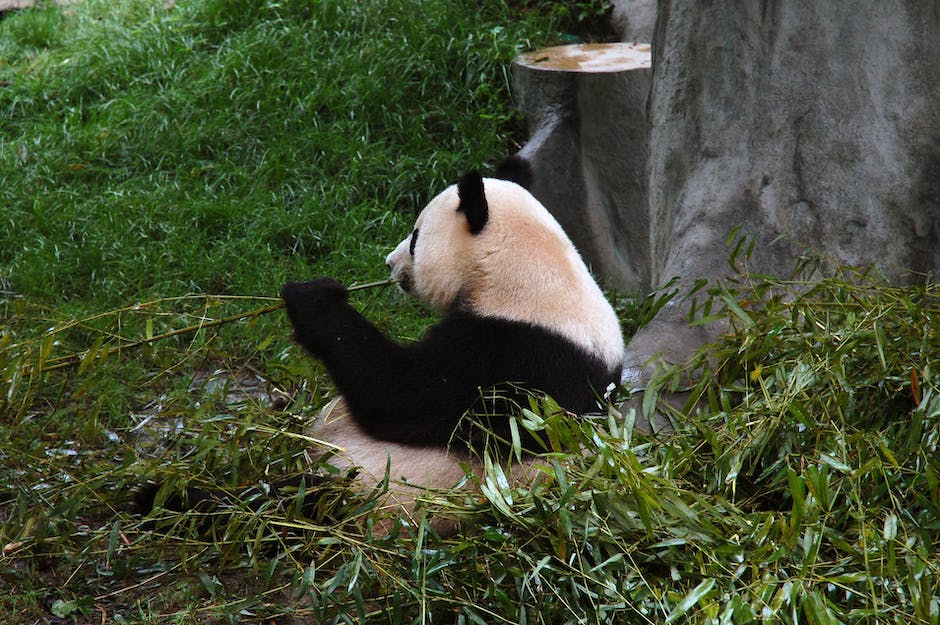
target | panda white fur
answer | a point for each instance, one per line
(520, 307)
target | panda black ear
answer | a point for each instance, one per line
(515, 169)
(473, 201)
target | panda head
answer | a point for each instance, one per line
(467, 244)
(487, 246)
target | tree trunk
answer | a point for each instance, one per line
(810, 125)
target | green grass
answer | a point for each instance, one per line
(218, 146)
(162, 168)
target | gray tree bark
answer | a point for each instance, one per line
(810, 125)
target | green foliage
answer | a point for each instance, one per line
(166, 166)
(818, 417)
(212, 147)
(587, 19)
(800, 486)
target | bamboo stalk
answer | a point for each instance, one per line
(63, 362)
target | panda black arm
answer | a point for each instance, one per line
(329, 328)
(359, 357)
(394, 392)
(417, 394)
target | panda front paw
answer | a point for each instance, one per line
(313, 292)
(307, 303)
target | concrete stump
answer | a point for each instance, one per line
(585, 107)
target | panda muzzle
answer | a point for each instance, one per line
(404, 281)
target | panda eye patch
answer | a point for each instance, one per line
(414, 240)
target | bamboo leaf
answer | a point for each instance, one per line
(817, 611)
(890, 531)
(113, 541)
(694, 596)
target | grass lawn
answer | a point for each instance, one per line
(164, 166)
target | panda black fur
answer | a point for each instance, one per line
(521, 308)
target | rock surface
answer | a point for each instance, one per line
(12, 5)
(633, 20)
(812, 126)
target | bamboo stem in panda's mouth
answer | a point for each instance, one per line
(370, 285)
(62, 362)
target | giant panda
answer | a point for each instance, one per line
(520, 310)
